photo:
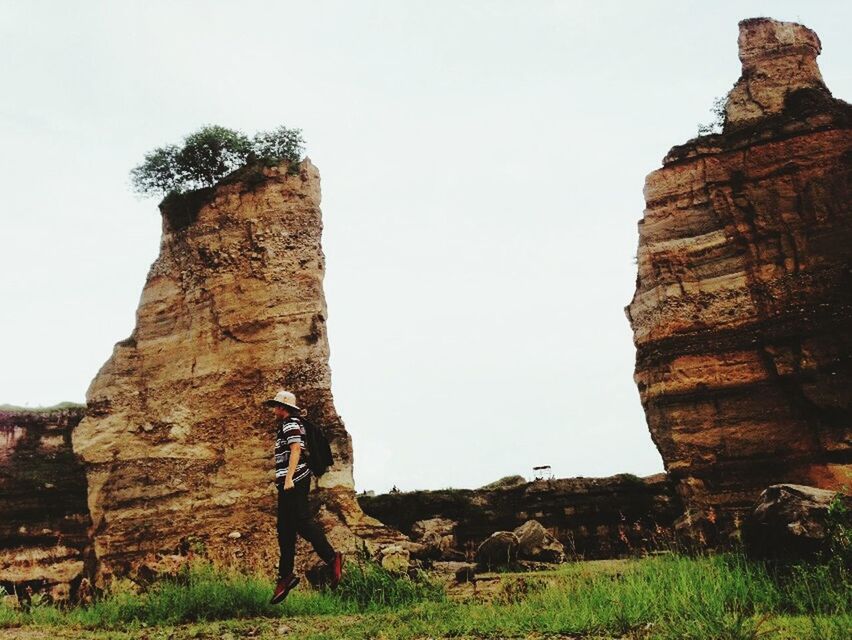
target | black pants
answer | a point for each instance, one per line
(294, 518)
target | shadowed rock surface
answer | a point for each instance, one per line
(793, 521)
(43, 512)
(742, 315)
(536, 543)
(500, 548)
(176, 445)
(591, 517)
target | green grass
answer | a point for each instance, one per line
(723, 597)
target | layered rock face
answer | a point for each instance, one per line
(742, 315)
(43, 528)
(176, 444)
(591, 517)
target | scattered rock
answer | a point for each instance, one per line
(234, 535)
(417, 550)
(437, 536)
(536, 543)
(500, 548)
(789, 521)
(533, 565)
(395, 558)
(586, 513)
(461, 571)
(438, 526)
(465, 572)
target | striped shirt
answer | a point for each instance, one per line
(290, 430)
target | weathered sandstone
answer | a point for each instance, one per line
(742, 315)
(794, 521)
(500, 548)
(591, 517)
(176, 445)
(436, 536)
(43, 513)
(536, 543)
(778, 58)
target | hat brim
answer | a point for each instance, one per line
(275, 403)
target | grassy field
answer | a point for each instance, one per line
(722, 597)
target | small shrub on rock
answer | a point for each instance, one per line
(208, 155)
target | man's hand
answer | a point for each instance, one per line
(288, 484)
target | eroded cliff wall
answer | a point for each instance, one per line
(176, 445)
(592, 517)
(43, 512)
(742, 314)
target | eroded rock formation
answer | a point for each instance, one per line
(742, 314)
(43, 513)
(176, 444)
(794, 521)
(591, 517)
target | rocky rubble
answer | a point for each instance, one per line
(500, 548)
(536, 543)
(437, 537)
(530, 541)
(589, 517)
(742, 315)
(795, 521)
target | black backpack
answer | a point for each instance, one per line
(319, 450)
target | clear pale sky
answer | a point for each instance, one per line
(482, 168)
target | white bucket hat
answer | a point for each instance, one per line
(285, 399)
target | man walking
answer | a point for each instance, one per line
(293, 480)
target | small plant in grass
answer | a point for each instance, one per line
(9, 617)
(836, 627)
(838, 530)
(368, 585)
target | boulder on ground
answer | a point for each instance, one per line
(417, 549)
(536, 543)
(395, 558)
(462, 571)
(500, 548)
(792, 521)
(465, 571)
(437, 535)
(439, 526)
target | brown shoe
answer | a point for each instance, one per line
(336, 569)
(284, 586)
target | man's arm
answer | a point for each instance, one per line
(295, 454)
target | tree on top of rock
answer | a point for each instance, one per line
(208, 155)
